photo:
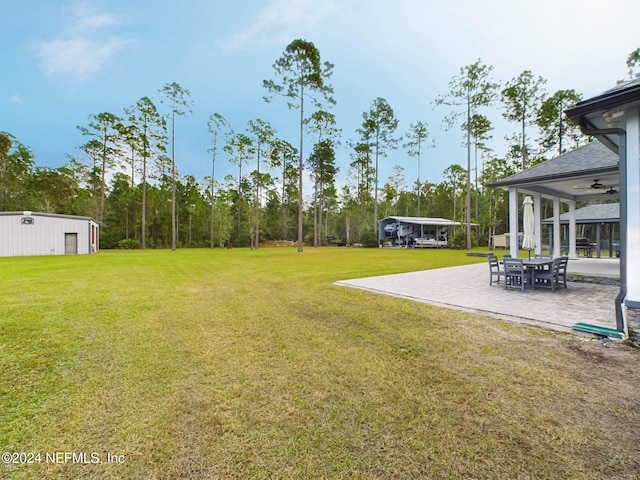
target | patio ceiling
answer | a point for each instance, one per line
(578, 187)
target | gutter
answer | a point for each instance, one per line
(622, 189)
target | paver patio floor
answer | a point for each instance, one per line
(467, 288)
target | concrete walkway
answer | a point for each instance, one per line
(467, 288)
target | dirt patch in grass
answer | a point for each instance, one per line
(602, 350)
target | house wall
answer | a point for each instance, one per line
(633, 322)
(632, 299)
(633, 207)
(33, 234)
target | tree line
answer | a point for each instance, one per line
(125, 174)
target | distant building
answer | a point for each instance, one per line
(600, 219)
(31, 233)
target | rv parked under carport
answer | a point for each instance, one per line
(416, 231)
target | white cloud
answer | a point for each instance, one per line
(15, 98)
(86, 20)
(82, 49)
(77, 56)
(279, 20)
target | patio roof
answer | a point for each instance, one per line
(588, 172)
(598, 213)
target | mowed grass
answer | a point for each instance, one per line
(252, 364)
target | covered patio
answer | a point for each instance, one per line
(608, 167)
(588, 173)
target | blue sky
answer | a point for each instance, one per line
(65, 60)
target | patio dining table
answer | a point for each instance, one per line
(534, 265)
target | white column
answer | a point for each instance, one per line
(513, 222)
(537, 207)
(556, 227)
(572, 229)
(633, 207)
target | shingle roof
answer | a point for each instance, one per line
(597, 213)
(627, 85)
(593, 157)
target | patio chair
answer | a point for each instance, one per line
(494, 269)
(562, 271)
(515, 273)
(543, 255)
(548, 278)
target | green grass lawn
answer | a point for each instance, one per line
(252, 364)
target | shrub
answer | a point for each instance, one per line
(459, 240)
(369, 239)
(129, 244)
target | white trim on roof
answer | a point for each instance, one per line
(53, 215)
(443, 222)
(433, 221)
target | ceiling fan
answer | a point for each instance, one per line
(598, 185)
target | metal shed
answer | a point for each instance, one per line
(32, 233)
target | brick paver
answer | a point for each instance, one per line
(467, 288)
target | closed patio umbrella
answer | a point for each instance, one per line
(528, 226)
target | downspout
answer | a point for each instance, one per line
(622, 161)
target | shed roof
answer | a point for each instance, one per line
(54, 215)
(597, 213)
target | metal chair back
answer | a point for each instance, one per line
(494, 269)
(562, 271)
(514, 273)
